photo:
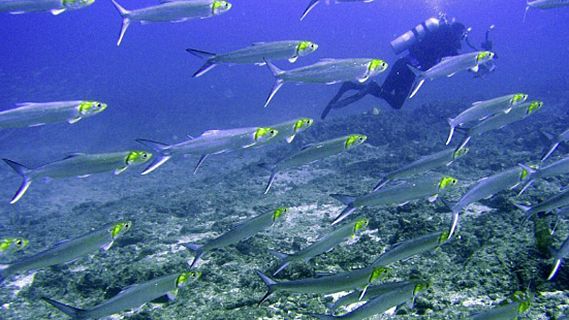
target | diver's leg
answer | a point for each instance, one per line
(346, 86)
(398, 84)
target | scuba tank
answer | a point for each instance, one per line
(411, 37)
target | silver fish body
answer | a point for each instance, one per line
(556, 168)
(328, 71)
(321, 246)
(449, 66)
(548, 4)
(63, 252)
(77, 165)
(483, 109)
(489, 186)
(312, 153)
(552, 203)
(256, 53)
(54, 6)
(358, 278)
(412, 247)
(238, 233)
(424, 164)
(313, 4)
(131, 297)
(505, 312)
(171, 11)
(208, 143)
(395, 195)
(501, 120)
(36, 114)
(379, 304)
(370, 293)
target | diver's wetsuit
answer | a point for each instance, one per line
(443, 42)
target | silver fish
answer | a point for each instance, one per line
(33, 114)
(486, 187)
(408, 248)
(359, 278)
(423, 164)
(171, 11)
(482, 109)
(132, 297)
(500, 120)
(557, 201)
(555, 142)
(398, 194)
(544, 4)
(325, 244)
(208, 143)
(77, 165)
(313, 4)
(520, 304)
(311, 153)
(381, 303)
(54, 6)
(68, 250)
(371, 292)
(238, 233)
(327, 71)
(557, 168)
(256, 54)
(449, 66)
(563, 252)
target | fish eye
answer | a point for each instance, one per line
(18, 242)
(272, 131)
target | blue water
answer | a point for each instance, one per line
(148, 86)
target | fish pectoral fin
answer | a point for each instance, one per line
(402, 204)
(74, 120)
(475, 68)
(450, 75)
(290, 138)
(433, 198)
(172, 295)
(56, 12)
(107, 246)
(36, 125)
(508, 110)
(120, 170)
(83, 176)
(293, 59)
(17, 12)
(449, 163)
(363, 79)
(179, 20)
(260, 64)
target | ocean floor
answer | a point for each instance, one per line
(492, 256)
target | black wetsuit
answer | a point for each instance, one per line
(443, 42)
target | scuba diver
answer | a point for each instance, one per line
(427, 44)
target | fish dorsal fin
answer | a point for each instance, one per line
(445, 58)
(326, 60)
(477, 102)
(311, 145)
(258, 43)
(128, 289)
(190, 137)
(60, 243)
(210, 132)
(73, 155)
(166, 1)
(482, 179)
(26, 104)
